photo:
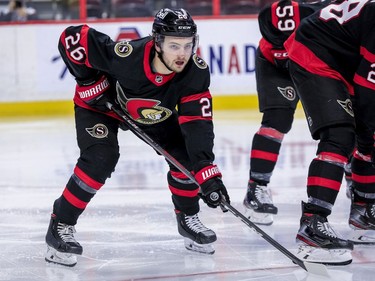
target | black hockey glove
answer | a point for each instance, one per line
(212, 187)
(94, 91)
(280, 58)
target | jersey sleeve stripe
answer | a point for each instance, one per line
(273, 14)
(84, 43)
(185, 119)
(367, 54)
(363, 82)
(265, 48)
(196, 97)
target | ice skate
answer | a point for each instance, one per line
(362, 221)
(62, 248)
(198, 238)
(258, 204)
(319, 243)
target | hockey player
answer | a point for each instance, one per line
(332, 56)
(164, 87)
(277, 101)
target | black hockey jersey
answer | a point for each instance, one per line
(151, 97)
(338, 42)
(277, 22)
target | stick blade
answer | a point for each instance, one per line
(316, 268)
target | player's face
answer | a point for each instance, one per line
(177, 51)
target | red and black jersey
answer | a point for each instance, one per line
(277, 22)
(150, 97)
(338, 42)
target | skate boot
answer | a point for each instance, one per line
(198, 238)
(362, 220)
(319, 243)
(258, 204)
(62, 247)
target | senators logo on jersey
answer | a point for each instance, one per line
(123, 49)
(199, 62)
(99, 131)
(145, 111)
(347, 106)
(288, 92)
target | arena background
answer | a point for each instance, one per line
(35, 81)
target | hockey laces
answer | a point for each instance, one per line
(195, 224)
(372, 210)
(261, 193)
(66, 232)
(326, 229)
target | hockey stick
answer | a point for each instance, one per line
(314, 268)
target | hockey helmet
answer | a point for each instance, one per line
(173, 22)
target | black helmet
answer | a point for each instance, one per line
(173, 22)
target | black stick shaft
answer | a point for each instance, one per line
(265, 236)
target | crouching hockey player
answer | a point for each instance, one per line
(332, 66)
(160, 82)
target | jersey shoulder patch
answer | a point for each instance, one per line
(199, 62)
(123, 49)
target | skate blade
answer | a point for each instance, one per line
(316, 268)
(258, 218)
(363, 237)
(54, 256)
(199, 248)
(324, 256)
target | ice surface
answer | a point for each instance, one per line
(129, 231)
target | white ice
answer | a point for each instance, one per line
(129, 231)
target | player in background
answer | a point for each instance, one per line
(164, 86)
(277, 101)
(332, 63)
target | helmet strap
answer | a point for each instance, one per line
(160, 56)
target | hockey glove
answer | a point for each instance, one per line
(212, 188)
(93, 91)
(280, 58)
